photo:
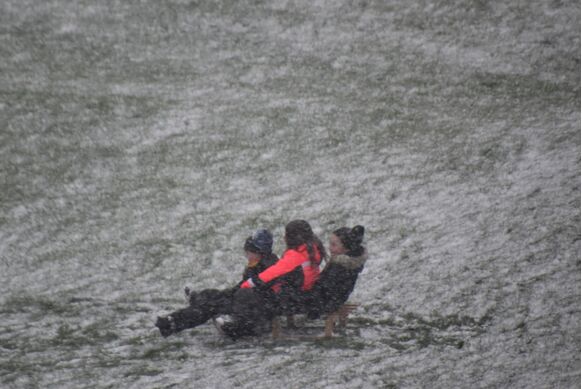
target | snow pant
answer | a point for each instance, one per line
(253, 310)
(214, 301)
(203, 306)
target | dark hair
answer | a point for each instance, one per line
(351, 239)
(298, 232)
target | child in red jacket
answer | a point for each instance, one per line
(280, 289)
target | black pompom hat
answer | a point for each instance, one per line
(351, 238)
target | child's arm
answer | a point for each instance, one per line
(290, 260)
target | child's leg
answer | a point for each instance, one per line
(182, 319)
(219, 302)
(203, 306)
(249, 314)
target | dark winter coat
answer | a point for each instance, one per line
(336, 283)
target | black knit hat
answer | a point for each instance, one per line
(351, 238)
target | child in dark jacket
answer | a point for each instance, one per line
(338, 279)
(211, 302)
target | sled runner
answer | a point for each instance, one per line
(338, 318)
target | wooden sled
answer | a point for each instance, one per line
(339, 318)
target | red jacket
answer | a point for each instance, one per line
(290, 260)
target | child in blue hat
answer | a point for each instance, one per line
(212, 302)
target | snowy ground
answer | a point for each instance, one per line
(142, 141)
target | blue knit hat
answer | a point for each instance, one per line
(261, 241)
